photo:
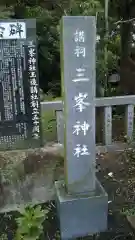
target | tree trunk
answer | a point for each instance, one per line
(125, 13)
(125, 40)
(126, 27)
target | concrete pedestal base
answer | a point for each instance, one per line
(81, 215)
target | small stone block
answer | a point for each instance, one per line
(81, 215)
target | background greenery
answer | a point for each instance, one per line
(118, 41)
(48, 15)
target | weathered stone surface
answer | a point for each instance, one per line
(78, 84)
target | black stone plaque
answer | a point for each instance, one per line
(20, 125)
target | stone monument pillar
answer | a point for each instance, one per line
(81, 200)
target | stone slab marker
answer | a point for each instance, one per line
(130, 121)
(81, 200)
(78, 81)
(20, 125)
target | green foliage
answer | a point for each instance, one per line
(6, 12)
(128, 154)
(3, 237)
(96, 8)
(48, 32)
(128, 212)
(30, 223)
(92, 7)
